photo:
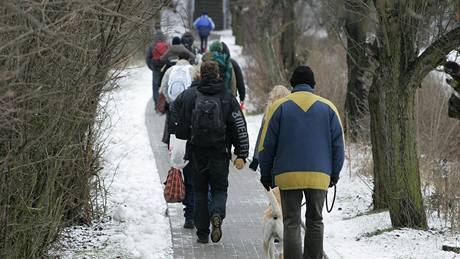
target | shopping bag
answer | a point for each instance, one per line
(174, 186)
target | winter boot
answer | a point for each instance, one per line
(189, 224)
(216, 232)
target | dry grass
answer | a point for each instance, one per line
(439, 146)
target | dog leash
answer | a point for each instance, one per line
(333, 200)
(327, 204)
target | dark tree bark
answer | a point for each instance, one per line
(267, 42)
(360, 69)
(392, 106)
(288, 35)
(236, 9)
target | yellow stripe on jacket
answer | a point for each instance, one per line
(303, 99)
(302, 180)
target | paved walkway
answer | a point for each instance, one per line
(242, 228)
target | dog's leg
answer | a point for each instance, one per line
(271, 246)
(267, 248)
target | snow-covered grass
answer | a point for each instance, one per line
(137, 225)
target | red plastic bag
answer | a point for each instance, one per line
(174, 186)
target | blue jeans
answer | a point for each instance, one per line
(189, 200)
(155, 85)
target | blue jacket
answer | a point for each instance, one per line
(302, 143)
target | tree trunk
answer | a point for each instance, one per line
(238, 29)
(394, 149)
(288, 36)
(266, 40)
(359, 68)
(393, 131)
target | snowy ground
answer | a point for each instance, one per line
(136, 226)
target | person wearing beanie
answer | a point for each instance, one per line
(176, 49)
(209, 144)
(204, 25)
(302, 132)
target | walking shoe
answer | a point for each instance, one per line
(189, 224)
(216, 232)
(202, 240)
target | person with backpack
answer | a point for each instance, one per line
(204, 25)
(210, 119)
(216, 53)
(238, 75)
(175, 80)
(152, 58)
(176, 49)
(301, 151)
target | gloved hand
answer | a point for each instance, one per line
(239, 163)
(254, 164)
(334, 181)
(266, 183)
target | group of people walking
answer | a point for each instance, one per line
(300, 144)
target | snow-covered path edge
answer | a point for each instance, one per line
(136, 224)
(136, 192)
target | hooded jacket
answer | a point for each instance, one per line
(173, 54)
(236, 124)
(301, 145)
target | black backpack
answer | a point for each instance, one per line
(208, 124)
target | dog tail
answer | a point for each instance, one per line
(276, 210)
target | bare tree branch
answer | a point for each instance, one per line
(432, 57)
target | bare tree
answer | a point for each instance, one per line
(57, 59)
(391, 100)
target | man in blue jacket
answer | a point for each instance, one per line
(204, 25)
(302, 152)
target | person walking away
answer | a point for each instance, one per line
(211, 120)
(204, 25)
(188, 201)
(303, 134)
(172, 54)
(238, 75)
(216, 53)
(187, 40)
(152, 58)
(175, 80)
(278, 92)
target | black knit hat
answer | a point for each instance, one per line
(303, 75)
(176, 41)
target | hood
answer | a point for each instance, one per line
(195, 83)
(211, 86)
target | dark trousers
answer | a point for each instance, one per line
(155, 85)
(189, 200)
(203, 43)
(291, 201)
(209, 171)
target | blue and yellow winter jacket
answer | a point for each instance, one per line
(302, 143)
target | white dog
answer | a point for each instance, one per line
(273, 224)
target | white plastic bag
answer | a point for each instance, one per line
(177, 152)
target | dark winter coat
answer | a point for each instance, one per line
(302, 145)
(239, 80)
(174, 51)
(236, 124)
